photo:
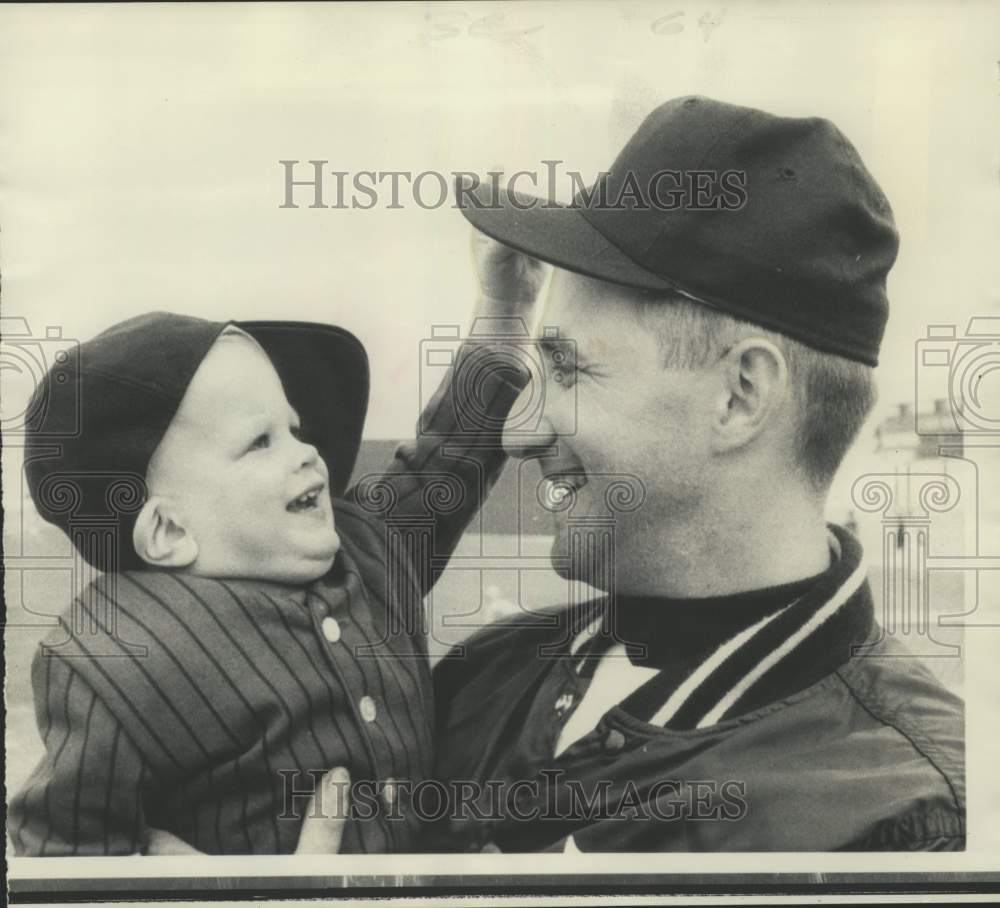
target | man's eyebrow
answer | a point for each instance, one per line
(553, 344)
(569, 349)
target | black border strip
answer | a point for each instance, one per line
(36, 891)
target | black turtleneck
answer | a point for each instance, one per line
(678, 634)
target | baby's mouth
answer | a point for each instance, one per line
(307, 501)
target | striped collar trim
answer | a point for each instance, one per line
(778, 655)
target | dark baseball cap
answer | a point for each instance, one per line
(88, 447)
(774, 220)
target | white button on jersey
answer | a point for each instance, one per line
(331, 629)
(368, 710)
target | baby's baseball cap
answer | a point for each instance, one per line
(89, 447)
(797, 238)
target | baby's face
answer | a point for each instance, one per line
(252, 493)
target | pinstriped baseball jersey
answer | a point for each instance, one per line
(209, 708)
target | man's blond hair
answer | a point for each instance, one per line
(833, 394)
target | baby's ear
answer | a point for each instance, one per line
(160, 538)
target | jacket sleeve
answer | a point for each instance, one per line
(85, 795)
(918, 830)
(436, 484)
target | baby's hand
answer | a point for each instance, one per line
(510, 280)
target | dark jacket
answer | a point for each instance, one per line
(795, 740)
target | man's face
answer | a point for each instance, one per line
(252, 494)
(615, 414)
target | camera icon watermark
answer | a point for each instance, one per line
(26, 358)
(958, 379)
(490, 355)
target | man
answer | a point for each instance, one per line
(723, 292)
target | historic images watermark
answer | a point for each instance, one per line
(548, 797)
(315, 184)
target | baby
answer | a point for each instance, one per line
(242, 641)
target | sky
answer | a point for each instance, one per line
(141, 148)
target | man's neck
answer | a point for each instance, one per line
(736, 547)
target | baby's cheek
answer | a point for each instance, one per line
(253, 477)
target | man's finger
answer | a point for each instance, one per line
(326, 816)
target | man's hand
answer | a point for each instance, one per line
(322, 829)
(326, 816)
(162, 842)
(510, 280)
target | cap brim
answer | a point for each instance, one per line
(554, 233)
(324, 370)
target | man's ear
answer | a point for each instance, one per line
(160, 538)
(755, 384)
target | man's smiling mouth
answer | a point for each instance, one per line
(558, 489)
(307, 501)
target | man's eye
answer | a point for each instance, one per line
(562, 376)
(564, 373)
(261, 441)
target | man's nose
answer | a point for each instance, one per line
(527, 434)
